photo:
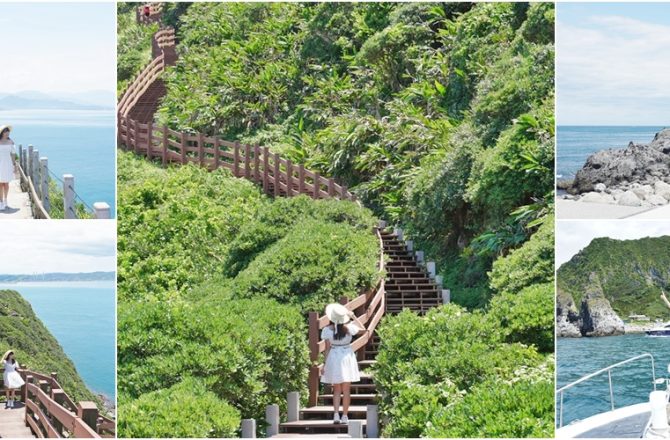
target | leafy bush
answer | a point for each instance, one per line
(201, 414)
(526, 316)
(532, 263)
(133, 44)
(248, 353)
(427, 364)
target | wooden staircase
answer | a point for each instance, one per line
(408, 286)
(147, 105)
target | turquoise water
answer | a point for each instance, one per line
(81, 143)
(576, 143)
(577, 357)
(81, 316)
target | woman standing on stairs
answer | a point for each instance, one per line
(6, 164)
(11, 378)
(341, 365)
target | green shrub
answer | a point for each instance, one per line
(527, 316)
(314, 264)
(249, 352)
(521, 408)
(532, 263)
(186, 410)
(427, 364)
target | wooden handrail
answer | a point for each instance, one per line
(374, 302)
(255, 163)
(49, 410)
(141, 84)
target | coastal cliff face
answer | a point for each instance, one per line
(35, 347)
(638, 175)
(610, 280)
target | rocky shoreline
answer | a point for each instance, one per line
(637, 176)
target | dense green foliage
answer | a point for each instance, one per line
(35, 348)
(57, 204)
(202, 414)
(632, 274)
(439, 116)
(433, 371)
(133, 44)
(213, 282)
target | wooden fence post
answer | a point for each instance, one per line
(257, 163)
(201, 149)
(247, 161)
(150, 140)
(102, 210)
(289, 178)
(236, 159)
(68, 197)
(331, 187)
(313, 340)
(44, 183)
(276, 178)
(183, 148)
(59, 397)
(217, 159)
(317, 186)
(136, 136)
(165, 145)
(266, 165)
(301, 179)
(88, 412)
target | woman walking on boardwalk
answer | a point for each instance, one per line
(6, 164)
(341, 366)
(11, 378)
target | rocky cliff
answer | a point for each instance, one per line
(638, 175)
(610, 280)
(35, 347)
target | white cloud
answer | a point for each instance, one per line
(57, 246)
(613, 70)
(574, 235)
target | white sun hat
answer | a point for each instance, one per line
(337, 313)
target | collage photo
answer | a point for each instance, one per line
(334, 219)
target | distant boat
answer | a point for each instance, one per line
(663, 330)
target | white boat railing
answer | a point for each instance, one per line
(607, 370)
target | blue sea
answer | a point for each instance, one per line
(77, 142)
(577, 357)
(576, 143)
(81, 316)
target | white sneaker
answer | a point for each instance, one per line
(345, 420)
(3, 205)
(336, 418)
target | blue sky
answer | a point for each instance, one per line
(58, 246)
(613, 64)
(58, 47)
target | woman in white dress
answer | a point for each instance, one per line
(341, 365)
(6, 164)
(11, 378)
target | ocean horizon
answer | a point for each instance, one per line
(82, 318)
(575, 143)
(77, 142)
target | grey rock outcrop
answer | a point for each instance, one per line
(597, 316)
(643, 169)
(568, 321)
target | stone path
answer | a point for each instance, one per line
(12, 422)
(19, 203)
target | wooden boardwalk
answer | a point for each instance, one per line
(12, 422)
(18, 201)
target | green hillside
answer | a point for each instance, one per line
(632, 273)
(22, 331)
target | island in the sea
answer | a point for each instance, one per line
(58, 276)
(612, 287)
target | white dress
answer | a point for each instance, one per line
(341, 364)
(6, 165)
(11, 378)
